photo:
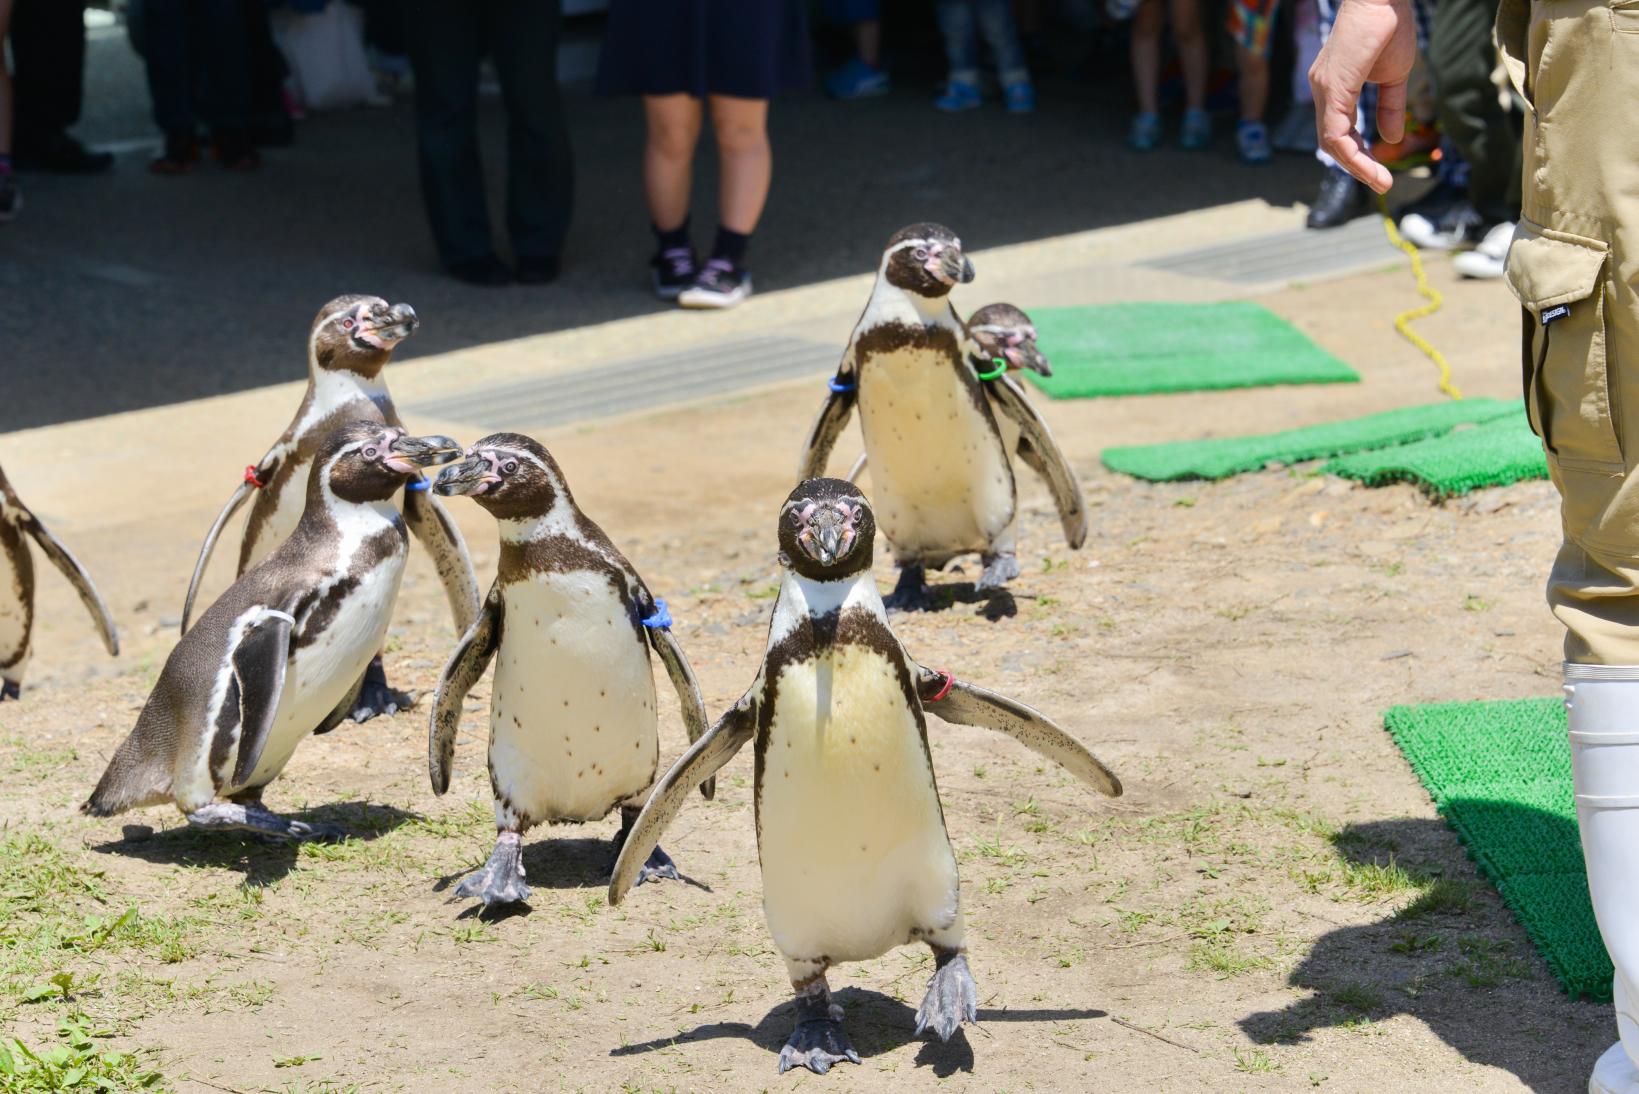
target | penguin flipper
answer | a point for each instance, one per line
(77, 576)
(205, 549)
(833, 417)
(1041, 453)
(688, 691)
(438, 535)
(968, 705)
(465, 667)
(259, 660)
(703, 760)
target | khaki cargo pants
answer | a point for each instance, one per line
(1574, 264)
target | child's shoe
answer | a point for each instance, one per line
(1019, 97)
(1144, 135)
(856, 80)
(1196, 131)
(11, 198)
(959, 96)
(1252, 141)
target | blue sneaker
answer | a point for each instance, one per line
(1019, 97)
(1252, 141)
(959, 96)
(856, 80)
(1196, 131)
(1145, 133)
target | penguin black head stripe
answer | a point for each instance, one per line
(926, 259)
(1005, 331)
(358, 333)
(509, 474)
(366, 461)
(826, 530)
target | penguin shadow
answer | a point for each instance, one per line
(993, 604)
(579, 863)
(875, 1023)
(1454, 958)
(262, 860)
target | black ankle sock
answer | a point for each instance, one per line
(677, 237)
(731, 245)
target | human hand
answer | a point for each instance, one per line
(1372, 41)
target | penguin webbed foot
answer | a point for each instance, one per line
(658, 867)
(911, 592)
(255, 819)
(377, 697)
(952, 998)
(818, 1042)
(501, 879)
(10, 689)
(998, 571)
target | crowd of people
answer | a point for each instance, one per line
(225, 76)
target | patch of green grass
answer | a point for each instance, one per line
(38, 763)
(1442, 896)
(1411, 943)
(1223, 958)
(1359, 998)
(1256, 1062)
(75, 1063)
(1487, 962)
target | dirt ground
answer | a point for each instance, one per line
(1273, 904)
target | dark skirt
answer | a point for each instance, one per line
(749, 49)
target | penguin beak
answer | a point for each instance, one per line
(826, 540)
(408, 454)
(952, 267)
(1028, 356)
(385, 327)
(472, 475)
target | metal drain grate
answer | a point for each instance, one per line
(1287, 256)
(635, 385)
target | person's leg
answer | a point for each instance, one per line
(1254, 74)
(445, 43)
(48, 50)
(165, 44)
(10, 199)
(1149, 20)
(1191, 42)
(673, 129)
(223, 51)
(540, 168)
(867, 35)
(956, 27)
(861, 76)
(745, 160)
(1461, 56)
(1002, 35)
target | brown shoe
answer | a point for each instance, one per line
(180, 154)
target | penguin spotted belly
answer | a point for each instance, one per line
(15, 576)
(942, 485)
(321, 671)
(852, 840)
(573, 715)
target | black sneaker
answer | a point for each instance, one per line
(11, 198)
(1458, 224)
(720, 284)
(674, 270)
(1340, 200)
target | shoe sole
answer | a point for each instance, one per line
(869, 93)
(702, 301)
(9, 215)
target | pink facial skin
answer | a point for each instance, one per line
(397, 463)
(494, 477)
(934, 266)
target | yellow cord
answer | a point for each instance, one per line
(1402, 322)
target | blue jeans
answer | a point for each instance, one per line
(994, 18)
(849, 12)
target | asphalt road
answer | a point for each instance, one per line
(131, 290)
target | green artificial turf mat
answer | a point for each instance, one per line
(1496, 453)
(1500, 774)
(1220, 457)
(1138, 349)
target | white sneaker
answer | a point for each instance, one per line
(720, 284)
(1447, 229)
(1487, 259)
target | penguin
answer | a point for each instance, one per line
(850, 831)
(17, 589)
(282, 652)
(938, 434)
(569, 624)
(349, 344)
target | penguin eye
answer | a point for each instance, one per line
(509, 467)
(921, 254)
(370, 453)
(349, 322)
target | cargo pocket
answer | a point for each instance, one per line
(1559, 279)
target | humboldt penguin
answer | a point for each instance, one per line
(569, 623)
(349, 344)
(850, 832)
(282, 652)
(17, 588)
(939, 451)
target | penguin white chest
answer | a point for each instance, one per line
(941, 483)
(851, 836)
(573, 720)
(16, 581)
(329, 655)
(282, 512)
